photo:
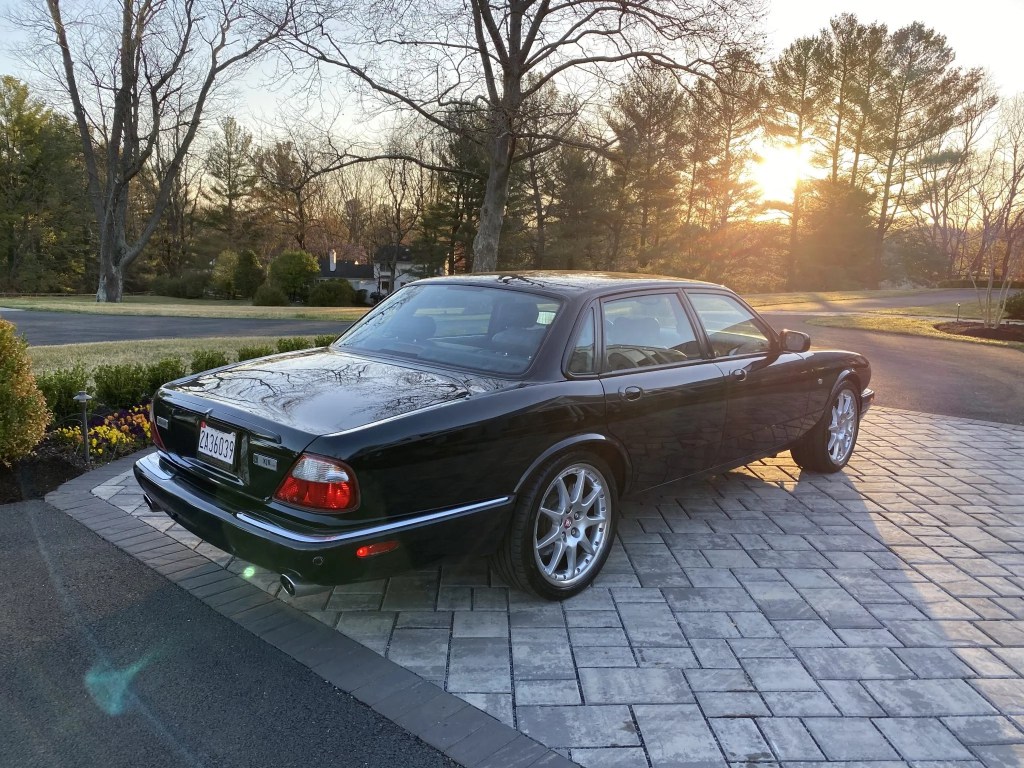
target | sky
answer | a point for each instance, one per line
(984, 33)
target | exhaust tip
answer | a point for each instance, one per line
(287, 584)
(296, 587)
(150, 503)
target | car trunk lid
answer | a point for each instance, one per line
(274, 407)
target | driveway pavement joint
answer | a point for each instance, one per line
(764, 616)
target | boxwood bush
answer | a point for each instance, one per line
(23, 412)
(254, 351)
(160, 372)
(1015, 306)
(59, 387)
(332, 293)
(325, 340)
(269, 295)
(123, 386)
(205, 359)
(293, 344)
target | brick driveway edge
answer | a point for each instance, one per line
(464, 733)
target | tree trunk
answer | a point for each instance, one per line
(492, 212)
(111, 287)
(794, 224)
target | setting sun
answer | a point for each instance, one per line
(779, 170)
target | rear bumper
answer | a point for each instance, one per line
(867, 399)
(322, 558)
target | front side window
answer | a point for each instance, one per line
(730, 326)
(647, 330)
(464, 326)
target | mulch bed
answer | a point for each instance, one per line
(44, 470)
(1003, 333)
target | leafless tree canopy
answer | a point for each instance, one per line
(138, 83)
(438, 58)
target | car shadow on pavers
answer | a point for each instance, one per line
(765, 615)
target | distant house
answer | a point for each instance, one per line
(395, 267)
(357, 269)
(392, 267)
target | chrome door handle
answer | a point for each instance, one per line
(631, 394)
(740, 374)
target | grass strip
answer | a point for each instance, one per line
(905, 326)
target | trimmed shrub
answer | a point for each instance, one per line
(332, 293)
(293, 344)
(248, 275)
(160, 372)
(1015, 306)
(60, 387)
(122, 386)
(268, 295)
(205, 359)
(324, 340)
(361, 299)
(254, 351)
(23, 413)
(294, 272)
(189, 285)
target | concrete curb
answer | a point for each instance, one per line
(464, 733)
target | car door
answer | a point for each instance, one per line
(768, 389)
(665, 399)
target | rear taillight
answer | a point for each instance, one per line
(154, 432)
(319, 483)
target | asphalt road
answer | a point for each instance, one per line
(929, 375)
(106, 664)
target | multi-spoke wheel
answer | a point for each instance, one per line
(563, 528)
(829, 444)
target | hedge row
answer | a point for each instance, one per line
(129, 384)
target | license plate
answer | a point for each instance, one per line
(216, 446)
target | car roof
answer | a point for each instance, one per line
(576, 284)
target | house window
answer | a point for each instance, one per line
(385, 285)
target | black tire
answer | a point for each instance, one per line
(815, 451)
(517, 560)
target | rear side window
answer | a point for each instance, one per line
(730, 326)
(642, 331)
(583, 358)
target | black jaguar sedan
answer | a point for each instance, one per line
(501, 414)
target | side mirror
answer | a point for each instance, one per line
(795, 341)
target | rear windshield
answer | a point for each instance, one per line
(464, 326)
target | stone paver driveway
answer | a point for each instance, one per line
(875, 616)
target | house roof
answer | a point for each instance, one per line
(348, 270)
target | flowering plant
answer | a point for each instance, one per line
(116, 434)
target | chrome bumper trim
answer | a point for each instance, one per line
(386, 528)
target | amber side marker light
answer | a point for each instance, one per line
(369, 550)
(320, 484)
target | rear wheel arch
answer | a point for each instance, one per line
(610, 451)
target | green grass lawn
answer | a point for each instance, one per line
(165, 306)
(807, 297)
(906, 326)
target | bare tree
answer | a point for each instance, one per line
(132, 82)
(431, 57)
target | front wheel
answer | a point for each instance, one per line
(829, 445)
(562, 528)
